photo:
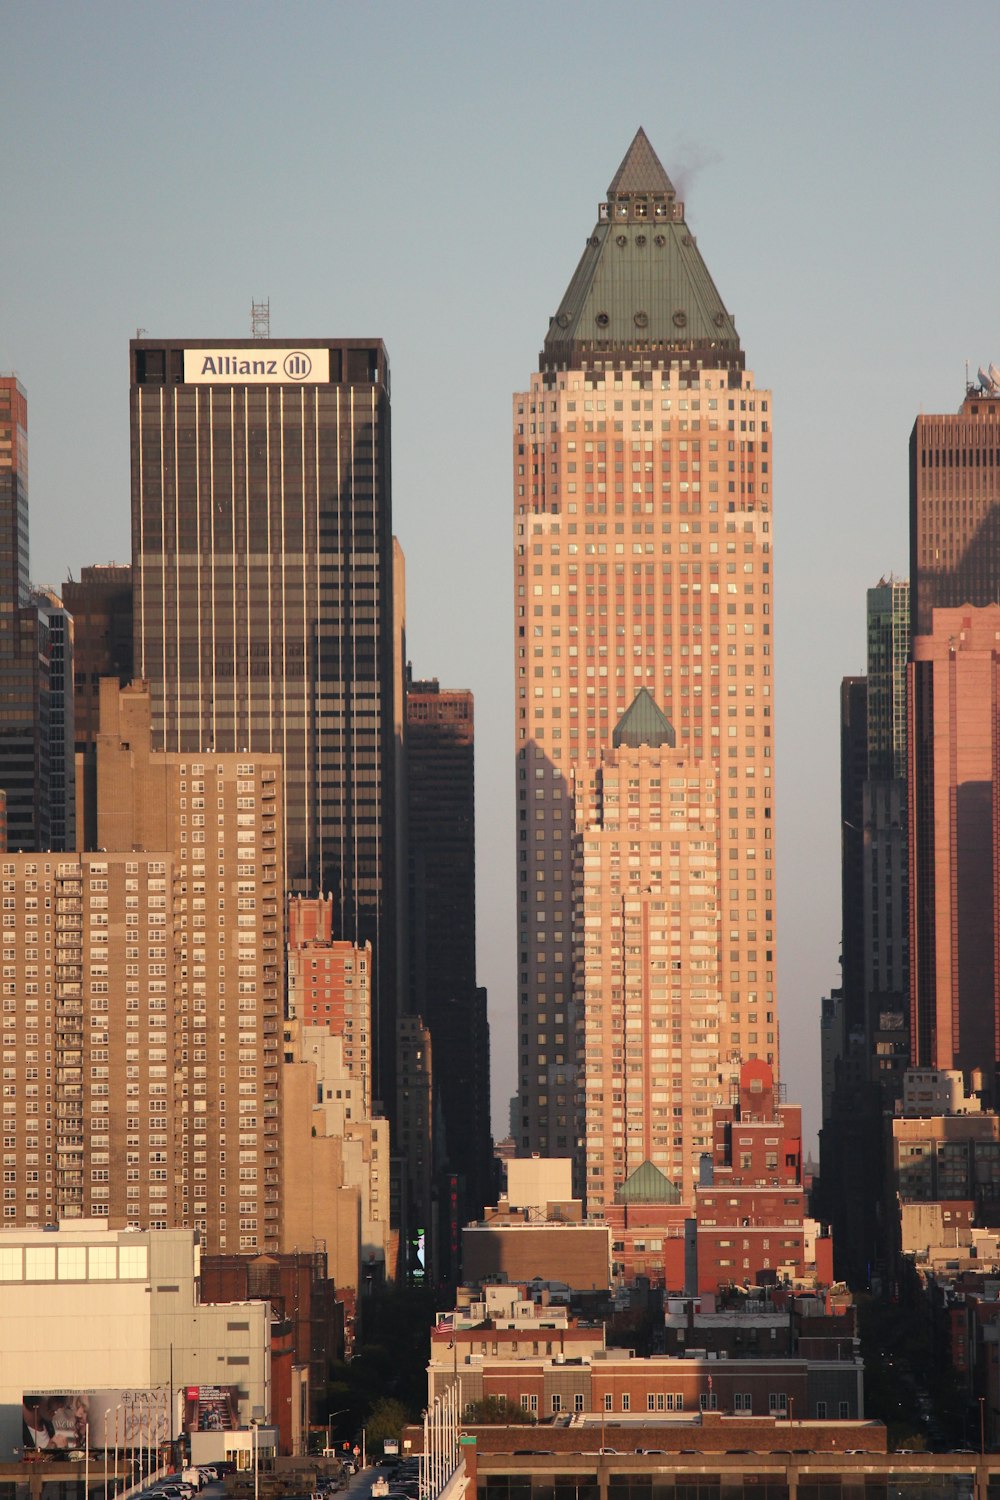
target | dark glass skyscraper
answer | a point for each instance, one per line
(24, 642)
(262, 577)
(441, 841)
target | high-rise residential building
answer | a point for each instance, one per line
(954, 844)
(100, 601)
(144, 979)
(643, 559)
(441, 843)
(647, 955)
(24, 641)
(955, 507)
(264, 599)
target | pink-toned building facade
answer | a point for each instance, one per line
(647, 965)
(954, 818)
(329, 983)
(642, 540)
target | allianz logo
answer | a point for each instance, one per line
(296, 365)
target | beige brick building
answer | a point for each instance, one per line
(141, 998)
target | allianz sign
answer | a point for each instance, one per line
(260, 366)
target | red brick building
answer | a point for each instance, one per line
(751, 1206)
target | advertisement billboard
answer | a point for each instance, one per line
(65, 1421)
(211, 1408)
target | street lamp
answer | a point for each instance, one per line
(117, 1410)
(256, 1451)
(329, 1420)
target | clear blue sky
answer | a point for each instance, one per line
(428, 173)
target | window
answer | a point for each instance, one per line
(821, 1411)
(10, 1263)
(132, 1261)
(578, 1401)
(625, 1401)
(40, 1263)
(845, 1411)
(743, 1401)
(708, 1401)
(777, 1401)
(609, 1402)
(557, 1403)
(103, 1262)
(72, 1263)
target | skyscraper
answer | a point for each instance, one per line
(100, 602)
(953, 790)
(955, 507)
(954, 795)
(642, 538)
(441, 839)
(24, 642)
(263, 599)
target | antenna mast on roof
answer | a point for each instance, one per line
(260, 319)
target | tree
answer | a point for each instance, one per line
(387, 1420)
(494, 1411)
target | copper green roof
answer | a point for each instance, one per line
(641, 288)
(647, 1184)
(643, 723)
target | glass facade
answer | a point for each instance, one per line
(262, 599)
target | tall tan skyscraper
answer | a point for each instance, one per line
(642, 540)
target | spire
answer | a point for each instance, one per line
(643, 723)
(641, 289)
(641, 170)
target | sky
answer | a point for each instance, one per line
(428, 174)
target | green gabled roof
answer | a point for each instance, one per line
(641, 286)
(647, 1184)
(643, 723)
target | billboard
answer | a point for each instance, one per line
(211, 1408)
(65, 1421)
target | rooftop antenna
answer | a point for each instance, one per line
(260, 319)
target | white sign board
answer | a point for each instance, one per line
(256, 366)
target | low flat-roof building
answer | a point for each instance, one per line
(85, 1308)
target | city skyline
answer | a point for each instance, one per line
(832, 283)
